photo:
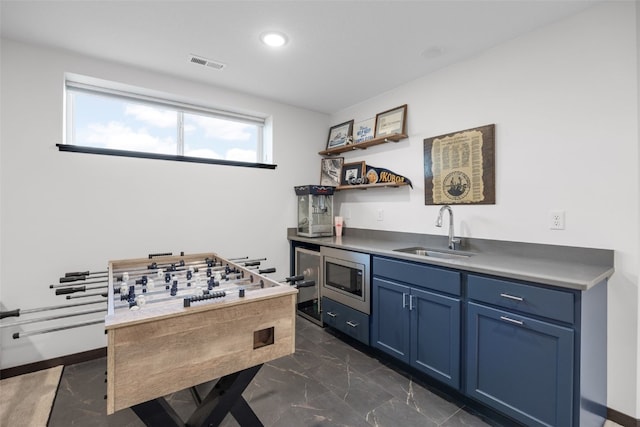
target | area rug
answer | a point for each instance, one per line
(26, 400)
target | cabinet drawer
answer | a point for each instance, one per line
(346, 319)
(420, 275)
(549, 303)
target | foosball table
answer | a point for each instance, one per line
(179, 321)
(174, 322)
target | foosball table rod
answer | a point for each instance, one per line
(142, 299)
(173, 281)
(126, 274)
(95, 294)
(17, 312)
(54, 317)
(74, 289)
(221, 293)
(18, 335)
(171, 265)
(65, 281)
(299, 282)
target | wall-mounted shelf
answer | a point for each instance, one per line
(363, 145)
(366, 186)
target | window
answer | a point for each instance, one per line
(103, 120)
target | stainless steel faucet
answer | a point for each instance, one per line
(454, 243)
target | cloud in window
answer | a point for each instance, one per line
(152, 116)
(117, 136)
(218, 128)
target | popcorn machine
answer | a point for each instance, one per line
(315, 210)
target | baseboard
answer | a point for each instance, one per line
(69, 359)
(622, 419)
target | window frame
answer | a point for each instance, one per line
(74, 85)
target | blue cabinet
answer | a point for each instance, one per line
(520, 366)
(414, 323)
(346, 319)
(435, 335)
(390, 318)
(535, 353)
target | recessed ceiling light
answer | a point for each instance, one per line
(274, 39)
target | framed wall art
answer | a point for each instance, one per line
(340, 135)
(330, 171)
(364, 130)
(459, 167)
(392, 122)
(351, 173)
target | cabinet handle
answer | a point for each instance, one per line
(411, 297)
(512, 297)
(353, 324)
(331, 314)
(404, 300)
(508, 319)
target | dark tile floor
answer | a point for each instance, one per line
(326, 382)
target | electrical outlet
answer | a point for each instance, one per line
(556, 220)
(380, 214)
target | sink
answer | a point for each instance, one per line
(433, 253)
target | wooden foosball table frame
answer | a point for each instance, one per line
(165, 347)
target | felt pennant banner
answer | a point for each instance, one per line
(381, 175)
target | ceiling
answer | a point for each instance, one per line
(339, 53)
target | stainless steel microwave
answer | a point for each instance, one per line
(346, 278)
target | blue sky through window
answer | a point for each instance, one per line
(115, 123)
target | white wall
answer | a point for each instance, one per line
(638, 100)
(565, 103)
(564, 100)
(67, 211)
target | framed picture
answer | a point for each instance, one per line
(472, 179)
(364, 130)
(351, 173)
(392, 122)
(330, 171)
(340, 135)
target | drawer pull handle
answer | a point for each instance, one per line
(331, 314)
(512, 297)
(508, 319)
(353, 324)
(404, 300)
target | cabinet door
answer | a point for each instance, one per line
(520, 366)
(435, 336)
(390, 318)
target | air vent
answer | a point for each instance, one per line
(207, 62)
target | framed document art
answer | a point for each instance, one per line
(459, 167)
(392, 122)
(363, 131)
(352, 173)
(340, 135)
(330, 171)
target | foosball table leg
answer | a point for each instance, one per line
(157, 412)
(226, 397)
